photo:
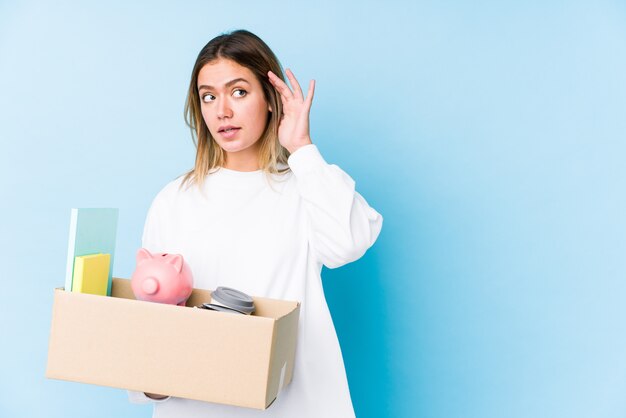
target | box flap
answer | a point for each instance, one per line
(283, 354)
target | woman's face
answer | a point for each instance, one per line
(233, 106)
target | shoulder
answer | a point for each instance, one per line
(169, 193)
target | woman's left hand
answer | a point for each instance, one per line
(293, 131)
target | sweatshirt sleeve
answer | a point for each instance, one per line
(152, 232)
(150, 240)
(342, 225)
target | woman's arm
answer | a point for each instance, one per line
(144, 398)
(155, 396)
(151, 239)
(342, 226)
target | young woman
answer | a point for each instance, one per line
(261, 212)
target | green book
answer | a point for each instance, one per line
(92, 231)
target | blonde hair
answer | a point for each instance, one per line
(250, 51)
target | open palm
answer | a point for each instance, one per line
(293, 131)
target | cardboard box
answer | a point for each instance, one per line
(180, 351)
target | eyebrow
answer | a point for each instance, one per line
(230, 83)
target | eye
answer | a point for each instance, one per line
(208, 98)
(240, 93)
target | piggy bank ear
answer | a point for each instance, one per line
(143, 255)
(177, 262)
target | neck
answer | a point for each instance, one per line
(242, 161)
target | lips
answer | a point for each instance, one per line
(228, 132)
(227, 128)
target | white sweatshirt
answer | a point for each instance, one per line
(270, 239)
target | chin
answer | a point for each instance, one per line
(234, 147)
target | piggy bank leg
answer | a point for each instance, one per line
(183, 303)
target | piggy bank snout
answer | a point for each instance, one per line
(150, 285)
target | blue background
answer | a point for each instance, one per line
(491, 137)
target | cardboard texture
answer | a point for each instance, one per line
(180, 351)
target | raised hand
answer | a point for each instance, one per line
(293, 131)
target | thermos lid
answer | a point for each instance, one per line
(220, 308)
(234, 299)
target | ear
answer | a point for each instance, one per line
(177, 262)
(143, 255)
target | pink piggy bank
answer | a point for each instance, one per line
(162, 278)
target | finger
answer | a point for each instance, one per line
(294, 83)
(310, 93)
(280, 85)
(280, 89)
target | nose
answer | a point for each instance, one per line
(223, 109)
(150, 285)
